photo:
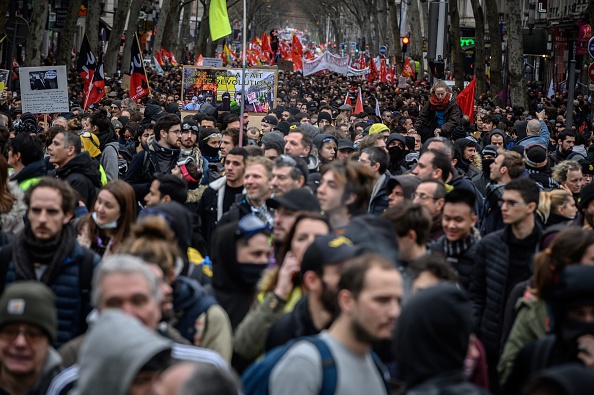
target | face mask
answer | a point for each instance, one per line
(251, 272)
(487, 166)
(396, 154)
(110, 225)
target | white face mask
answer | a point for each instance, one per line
(110, 225)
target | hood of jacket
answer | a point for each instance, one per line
(492, 133)
(179, 219)
(12, 221)
(35, 169)
(433, 333)
(81, 164)
(113, 352)
(218, 184)
(187, 293)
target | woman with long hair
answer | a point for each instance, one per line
(440, 114)
(280, 288)
(12, 204)
(556, 207)
(570, 246)
(111, 218)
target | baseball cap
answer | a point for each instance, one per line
(345, 144)
(295, 199)
(30, 302)
(328, 250)
(270, 119)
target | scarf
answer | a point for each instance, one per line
(105, 138)
(457, 248)
(167, 157)
(440, 105)
(28, 252)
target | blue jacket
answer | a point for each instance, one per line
(543, 138)
(67, 289)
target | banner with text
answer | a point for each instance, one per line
(222, 87)
(327, 61)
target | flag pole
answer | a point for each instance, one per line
(243, 56)
(142, 61)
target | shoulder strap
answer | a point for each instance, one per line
(85, 276)
(5, 258)
(383, 371)
(329, 371)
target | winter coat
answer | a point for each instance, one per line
(427, 121)
(109, 160)
(82, 173)
(378, 201)
(12, 222)
(463, 263)
(30, 175)
(210, 207)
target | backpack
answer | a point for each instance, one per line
(186, 325)
(256, 378)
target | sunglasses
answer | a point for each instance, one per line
(214, 135)
(251, 225)
(187, 126)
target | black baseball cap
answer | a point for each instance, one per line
(346, 144)
(296, 199)
(328, 249)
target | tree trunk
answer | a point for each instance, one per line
(161, 25)
(67, 34)
(130, 30)
(479, 46)
(416, 37)
(204, 32)
(115, 38)
(515, 44)
(456, 49)
(395, 33)
(92, 24)
(35, 39)
(496, 69)
(170, 40)
(184, 31)
(424, 8)
(3, 11)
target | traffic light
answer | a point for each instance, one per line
(405, 41)
(437, 69)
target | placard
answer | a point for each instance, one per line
(44, 89)
(222, 87)
(3, 79)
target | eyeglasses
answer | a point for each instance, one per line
(213, 136)
(187, 126)
(178, 132)
(10, 333)
(511, 203)
(251, 225)
(421, 195)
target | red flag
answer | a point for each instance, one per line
(390, 76)
(383, 71)
(348, 99)
(359, 104)
(372, 70)
(138, 81)
(97, 87)
(407, 69)
(465, 99)
(86, 64)
(266, 48)
(297, 52)
(284, 51)
(199, 61)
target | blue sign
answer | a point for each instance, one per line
(383, 50)
(591, 47)
(353, 45)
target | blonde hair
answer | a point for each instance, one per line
(439, 84)
(549, 202)
(561, 170)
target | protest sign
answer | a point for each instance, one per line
(44, 89)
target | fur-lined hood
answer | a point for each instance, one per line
(12, 222)
(194, 195)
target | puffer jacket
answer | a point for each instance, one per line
(463, 263)
(67, 288)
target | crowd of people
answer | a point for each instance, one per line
(145, 249)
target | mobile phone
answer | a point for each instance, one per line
(539, 107)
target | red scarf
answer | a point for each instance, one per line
(439, 105)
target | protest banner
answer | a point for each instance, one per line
(222, 87)
(327, 61)
(44, 89)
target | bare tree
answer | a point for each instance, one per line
(456, 49)
(479, 46)
(171, 39)
(3, 12)
(67, 34)
(92, 24)
(496, 69)
(37, 26)
(184, 30)
(115, 38)
(161, 25)
(395, 32)
(516, 54)
(416, 36)
(130, 30)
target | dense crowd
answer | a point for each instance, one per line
(168, 247)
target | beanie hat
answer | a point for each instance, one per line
(535, 155)
(489, 150)
(284, 127)
(458, 133)
(30, 302)
(586, 196)
(270, 119)
(90, 143)
(587, 167)
(324, 115)
(274, 136)
(378, 128)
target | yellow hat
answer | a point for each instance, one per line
(90, 143)
(378, 128)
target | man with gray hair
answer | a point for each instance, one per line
(129, 284)
(190, 378)
(537, 132)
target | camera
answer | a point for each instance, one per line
(539, 107)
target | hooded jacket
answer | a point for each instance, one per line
(431, 341)
(113, 352)
(30, 174)
(82, 173)
(427, 120)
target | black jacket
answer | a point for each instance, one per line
(463, 263)
(427, 122)
(82, 173)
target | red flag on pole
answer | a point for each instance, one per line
(348, 99)
(86, 64)
(383, 71)
(390, 76)
(465, 99)
(297, 51)
(407, 69)
(97, 87)
(359, 104)
(372, 70)
(266, 48)
(138, 81)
